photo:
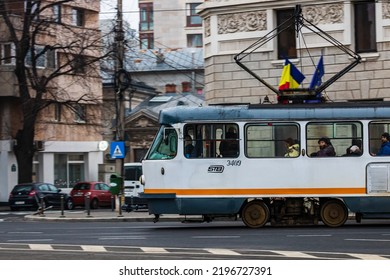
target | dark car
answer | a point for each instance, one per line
(30, 195)
(98, 194)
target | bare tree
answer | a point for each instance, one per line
(37, 34)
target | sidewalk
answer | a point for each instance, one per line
(101, 215)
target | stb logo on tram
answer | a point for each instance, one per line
(215, 169)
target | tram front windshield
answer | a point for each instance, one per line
(164, 145)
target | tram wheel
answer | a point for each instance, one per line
(255, 214)
(334, 213)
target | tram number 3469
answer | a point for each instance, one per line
(233, 163)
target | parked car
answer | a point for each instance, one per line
(30, 195)
(98, 192)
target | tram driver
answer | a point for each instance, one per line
(189, 149)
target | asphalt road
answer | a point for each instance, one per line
(20, 239)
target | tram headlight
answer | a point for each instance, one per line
(142, 179)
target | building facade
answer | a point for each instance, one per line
(230, 26)
(170, 24)
(68, 129)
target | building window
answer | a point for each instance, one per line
(78, 17)
(50, 59)
(286, 38)
(146, 17)
(57, 111)
(193, 19)
(194, 41)
(57, 13)
(68, 170)
(146, 41)
(139, 155)
(80, 113)
(365, 35)
(7, 53)
(43, 58)
(34, 8)
(78, 64)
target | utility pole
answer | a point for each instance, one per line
(121, 84)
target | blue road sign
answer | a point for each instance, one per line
(117, 150)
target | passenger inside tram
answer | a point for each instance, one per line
(326, 148)
(292, 148)
(385, 146)
(229, 146)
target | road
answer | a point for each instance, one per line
(20, 239)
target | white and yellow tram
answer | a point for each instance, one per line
(257, 180)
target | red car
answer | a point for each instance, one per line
(98, 192)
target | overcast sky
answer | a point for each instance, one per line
(108, 10)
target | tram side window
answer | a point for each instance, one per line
(378, 144)
(270, 140)
(164, 145)
(345, 137)
(211, 140)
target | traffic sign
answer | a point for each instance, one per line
(117, 150)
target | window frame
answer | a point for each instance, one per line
(149, 38)
(365, 22)
(9, 58)
(279, 148)
(57, 112)
(44, 59)
(358, 135)
(209, 146)
(80, 113)
(192, 40)
(79, 64)
(78, 17)
(192, 15)
(57, 13)
(34, 7)
(288, 49)
(146, 17)
(374, 142)
(166, 140)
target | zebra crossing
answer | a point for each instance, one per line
(210, 252)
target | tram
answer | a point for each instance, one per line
(234, 161)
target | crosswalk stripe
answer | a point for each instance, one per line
(45, 247)
(293, 254)
(223, 252)
(89, 248)
(367, 257)
(154, 250)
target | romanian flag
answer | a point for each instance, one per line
(291, 76)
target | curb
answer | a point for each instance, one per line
(101, 219)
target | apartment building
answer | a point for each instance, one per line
(170, 24)
(170, 54)
(231, 26)
(68, 127)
